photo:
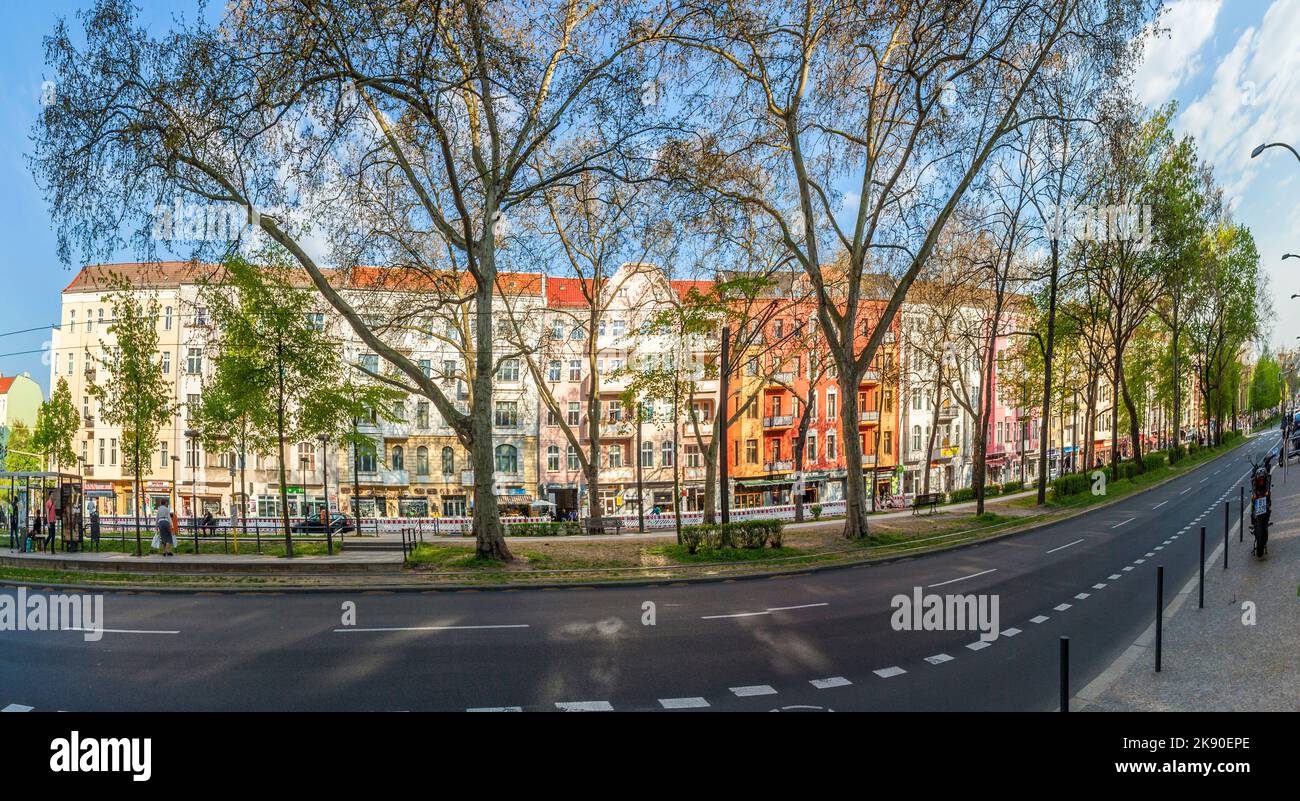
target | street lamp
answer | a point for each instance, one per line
(191, 435)
(1261, 148)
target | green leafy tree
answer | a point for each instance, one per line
(1266, 384)
(277, 371)
(136, 397)
(57, 423)
(20, 450)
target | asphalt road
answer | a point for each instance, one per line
(806, 642)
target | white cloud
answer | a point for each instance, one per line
(1171, 57)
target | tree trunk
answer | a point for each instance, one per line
(1048, 349)
(489, 539)
(934, 431)
(1177, 378)
(280, 424)
(800, 445)
(855, 513)
(1134, 425)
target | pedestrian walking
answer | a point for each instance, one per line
(165, 528)
(50, 517)
(94, 526)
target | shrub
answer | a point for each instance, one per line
(990, 490)
(1071, 484)
(692, 537)
(1012, 486)
(817, 511)
(967, 493)
(1153, 461)
(535, 529)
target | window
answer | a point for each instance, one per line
(201, 315)
(916, 401)
(192, 453)
(577, 333)
(615, 455)
(167, 363)
(553, 458)
(162, 460)
(316, 321)
(507, 459)
(667, 454)
(422, 414)
(72, 320)
(399, 458)
(508, 371)
(365, 458)
(369, 362)
(810, 454)
(888, 442)
(830, 405)
(448, 461)
(422, 461)
(778, 329)
(751, 366)
(194, 361)
(426, 368)
(916, 437)
(571, 458)
(101, 319)
(751, 451)
(830, 446)
(112, 451)
(557, 330)
(647, 454)
(615, 410)
(575, 370)
(448, 369)
(167, 318)
(692, 455)
(553, 370)
(776, 450)
(776, 405)
(507, 414)
(618, 327)
(889, 401)
(575, 412)
(399, 410)
(101, 451)
(191, 406)
(551, 419)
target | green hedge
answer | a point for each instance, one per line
(555, 529)
(1153, 461)
(1012, 486)
(965, 494)
(746, 534)
(1071, 484)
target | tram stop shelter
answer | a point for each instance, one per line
(24, 495)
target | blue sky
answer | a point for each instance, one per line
(1232, 65)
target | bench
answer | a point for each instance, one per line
(598, 525)
(930, 499)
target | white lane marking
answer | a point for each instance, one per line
(1061, 607)
(889, 672)
(1184, 492)
(963, 578)
(938, 659)
(1158, 548)
(1113, 576)
(683, 703)
(124, 631)
(978, 645)
(1039, 619)
(1010, 632)
(1066, 545)
(495, 709)
(1099, 586)
(1083, 596)
(1202, 481)
(434, 628)
(1150, 554)
(1139, 561)
(753, 689)
(1123, 522)
(767, 611)
(1127, 568)
(800, 606)
(584, 706)
(1157, 506)
(833, 681)
(17, 708)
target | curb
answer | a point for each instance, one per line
(648, 582)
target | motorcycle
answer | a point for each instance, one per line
(1261, 504)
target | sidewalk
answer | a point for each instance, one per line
(1211, 660)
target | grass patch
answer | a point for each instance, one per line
(451, 556)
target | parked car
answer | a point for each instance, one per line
(339, 524)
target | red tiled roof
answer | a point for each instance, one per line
(5, 383)
(565, 293)
(682, 287)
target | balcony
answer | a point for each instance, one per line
(868, 459)
(947, 411)
(866, 418)
(617, 429)
(778, 467)
(88, 420)
(778, 421)
(871, 377)
(783, 377)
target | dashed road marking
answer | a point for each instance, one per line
(495, 709)
(1157, 506)
(1083, 596)
(1113, 576)
(753, 689)
(889, 672)
(1061, 607)
(584, 706)
(17, 708)
(833, 681)
(1039, 619)
(938, 659)
(1123, 522)
(1127, 568)
(1011, 632)
(1066, 545)
(683, 703)
(978, 645)
(963, 578)
(428, 628)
